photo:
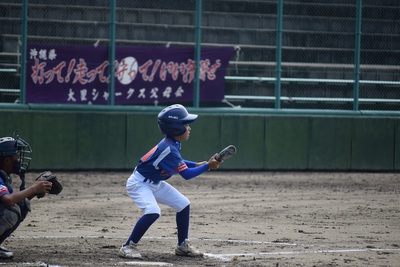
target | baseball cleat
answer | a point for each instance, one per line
(129, 251)
(185, 249)
(5, 253)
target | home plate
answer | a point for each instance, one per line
(147, 263)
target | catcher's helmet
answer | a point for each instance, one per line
(10, 146)
(172, 120)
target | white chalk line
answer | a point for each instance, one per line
(33, 264)
(168, 238)
(235, 241)
(152, 263)
(230, 256)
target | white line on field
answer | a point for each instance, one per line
(229, 257)
(32, 264)
(233, 241)
(151, 263)
(163, 237)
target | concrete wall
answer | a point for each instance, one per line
(88, 140)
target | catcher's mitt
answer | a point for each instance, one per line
(56, 187)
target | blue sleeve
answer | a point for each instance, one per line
(193, 172)
(190, 164)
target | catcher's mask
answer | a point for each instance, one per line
(11, 146)
(172, 120)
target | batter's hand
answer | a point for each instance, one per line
(213, 163)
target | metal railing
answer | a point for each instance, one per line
(268, 78)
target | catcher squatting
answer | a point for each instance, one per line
(147, 185)
(14, 206)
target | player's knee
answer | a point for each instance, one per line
(9, 219)
(153, 210)
(183, 205)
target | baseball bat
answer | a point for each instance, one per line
(226, 153)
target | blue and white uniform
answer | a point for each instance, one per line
(4, 189)
(147, 186)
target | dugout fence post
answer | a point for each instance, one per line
(357, 49)
(111, 55)
(278, 56)
(197, 54)
(24, 39)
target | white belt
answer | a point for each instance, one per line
(142, 178)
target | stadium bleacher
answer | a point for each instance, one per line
(318, 41)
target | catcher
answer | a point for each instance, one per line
(14, 206)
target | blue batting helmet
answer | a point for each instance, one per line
(172, 120)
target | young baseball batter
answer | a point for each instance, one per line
(147, 186)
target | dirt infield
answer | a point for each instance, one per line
(237, 219)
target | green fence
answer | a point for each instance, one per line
(98, 140)
(314, 54)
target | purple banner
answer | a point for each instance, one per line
(143, 75)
